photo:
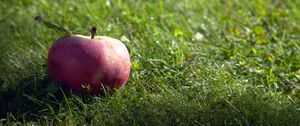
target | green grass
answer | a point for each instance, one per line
(244, 71)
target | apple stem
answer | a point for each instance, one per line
(93, 32)
(52, 25)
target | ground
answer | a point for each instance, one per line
(194, 62)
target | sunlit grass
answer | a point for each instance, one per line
(194, 62)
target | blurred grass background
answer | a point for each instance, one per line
(194, 62)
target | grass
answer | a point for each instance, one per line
(194, 62)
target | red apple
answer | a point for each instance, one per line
(99, 61)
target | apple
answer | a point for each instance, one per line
(87, 64)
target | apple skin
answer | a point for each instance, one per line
(75, 60)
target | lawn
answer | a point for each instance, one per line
(194, 62)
